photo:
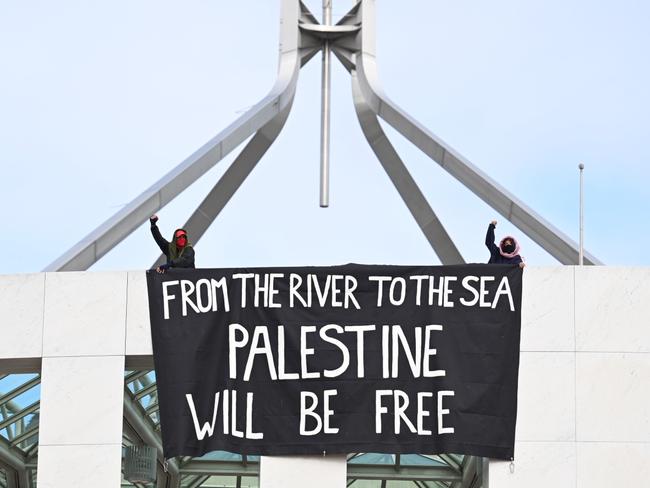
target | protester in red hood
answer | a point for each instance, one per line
(179, 252)
(507, 252)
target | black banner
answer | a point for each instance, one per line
(354, 358)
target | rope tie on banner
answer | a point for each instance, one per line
(165, 465)
(512, 465)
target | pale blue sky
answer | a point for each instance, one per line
(100, 99)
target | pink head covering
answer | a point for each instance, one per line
(513, 253)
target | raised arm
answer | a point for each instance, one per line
(489, 238)
(163, 244)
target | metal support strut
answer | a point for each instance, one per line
(352, 40)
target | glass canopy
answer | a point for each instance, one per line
(19, 422)
(365, 470)
(19, 414)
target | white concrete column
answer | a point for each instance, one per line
(82, 387)
(299, 471)
(21, 320)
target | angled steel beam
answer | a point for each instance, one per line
(224, 468)
(24, 436)
(19, 390)
(154, 407)
(92, 247)
(473, 468)
(451, 462)
(31, 453)
(147, 390)
(135, 375)
(351, 18)
(233, 178)
(305, 14)
(21, 414)
(417, 204)
(410, 473)
(533, 225)
(199, 481)
(470, 464)
(238, 171)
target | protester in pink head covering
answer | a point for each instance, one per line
(507, 252)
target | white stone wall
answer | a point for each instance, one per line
(72, 325)
(584, 382)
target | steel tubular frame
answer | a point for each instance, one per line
(352, 40)
(233, 178)
(422, 212)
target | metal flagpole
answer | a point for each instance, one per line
(325, 111)
(581, 254)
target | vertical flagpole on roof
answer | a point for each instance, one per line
(325, 111)
(581, 254)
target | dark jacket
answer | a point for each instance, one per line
(176, 258)
(495, 253)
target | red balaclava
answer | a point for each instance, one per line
(181, 239)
